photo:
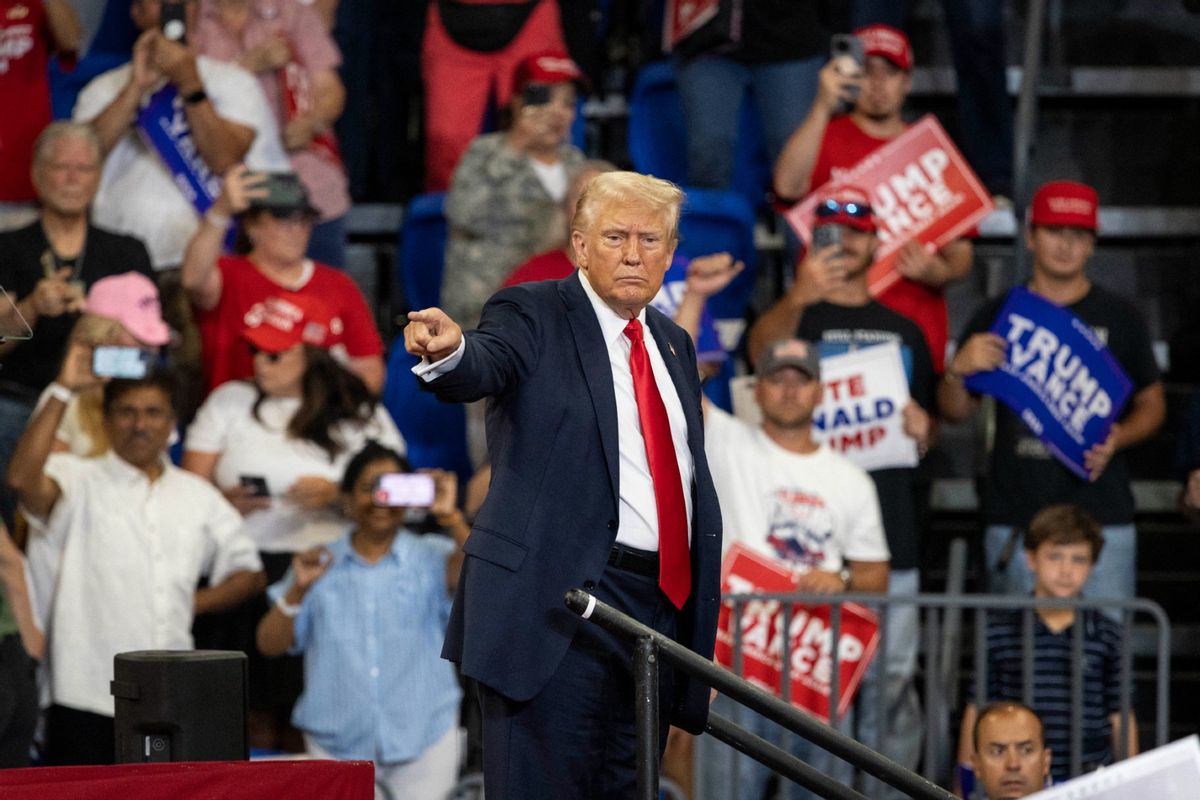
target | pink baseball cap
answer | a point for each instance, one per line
(132, 300)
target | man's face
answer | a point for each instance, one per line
(548, 124)
(1060, 570)
(279, 237)
(885, 87)
(68, 178)
(787, 397)
(139, 424)
(147, 14)
(1060, 252)
(1010, 759)
(625, 253)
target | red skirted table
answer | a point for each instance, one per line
(207, 780)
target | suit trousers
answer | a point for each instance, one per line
(577, 737)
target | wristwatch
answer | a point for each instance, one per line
(844, 574)
(198, 96)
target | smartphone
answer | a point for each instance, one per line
(826, 235)
(120, 362)
(173, 20)
(847, 50)
(257, 485)
(407, 489)
(284, 190)
(536, 94)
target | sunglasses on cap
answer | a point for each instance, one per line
(831, 208)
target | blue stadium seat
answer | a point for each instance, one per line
(421, 250)
(658, 142)
(435, 432)
(713, 222)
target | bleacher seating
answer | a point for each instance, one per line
(658, 143)
(421, 250)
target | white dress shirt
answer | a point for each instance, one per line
(120, 557)
(637, 510)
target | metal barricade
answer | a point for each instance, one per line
(940, 629)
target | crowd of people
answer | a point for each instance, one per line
(194, 448)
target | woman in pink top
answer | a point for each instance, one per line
(286, 45)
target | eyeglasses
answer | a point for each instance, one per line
(854, 210)
(272, 358)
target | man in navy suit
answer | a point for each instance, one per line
(599, 481)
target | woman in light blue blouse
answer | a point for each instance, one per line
(368, 612)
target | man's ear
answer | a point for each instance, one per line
(579, 246)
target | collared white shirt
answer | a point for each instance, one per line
(119, 559)
(638, 513)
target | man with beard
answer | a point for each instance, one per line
(829, 304)
(797, 501)
(829, 143)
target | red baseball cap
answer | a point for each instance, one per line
(1065, 203)
(845, 205)
(552, 66)
(888, 42)
(280, 323)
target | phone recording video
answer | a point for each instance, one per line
(173, 20)
(826, 235)
(847, 51)
(404, 489)
(120, 362)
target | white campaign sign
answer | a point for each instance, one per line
(1170, 772)
(860, 414)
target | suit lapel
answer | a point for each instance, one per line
(593, 357)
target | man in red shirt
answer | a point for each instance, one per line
(30, 30)
(828, 143)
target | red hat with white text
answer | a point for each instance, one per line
(551, 67)
(1067, 204)
(888, 42)
(280, 323)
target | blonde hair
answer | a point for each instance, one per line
(96, 331)
(629, 188)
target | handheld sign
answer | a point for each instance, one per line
(1058, 377)
(810, 649)
(860, 414)
(921, 189)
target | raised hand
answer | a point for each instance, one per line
(431, 334)
(76, 371)
(309, 566)
(822, 272)
(707, 275)
(239, 187)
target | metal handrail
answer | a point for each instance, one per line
(651, 645)
(1025, 123)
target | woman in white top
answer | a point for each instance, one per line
(276, 446)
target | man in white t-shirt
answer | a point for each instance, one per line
(223, 106)
(797, 501)
(119, 545)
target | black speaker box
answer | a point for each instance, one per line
(180, 705)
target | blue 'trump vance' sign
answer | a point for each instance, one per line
(1059, 378)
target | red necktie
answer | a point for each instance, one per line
(674, 568)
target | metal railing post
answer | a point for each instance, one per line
(645, 687)
(1025, 125)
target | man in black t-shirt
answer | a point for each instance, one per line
(47, 268)
(1024, 477)
(829, 304)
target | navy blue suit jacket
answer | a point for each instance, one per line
(551, 515)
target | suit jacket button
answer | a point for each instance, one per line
(612, 524)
